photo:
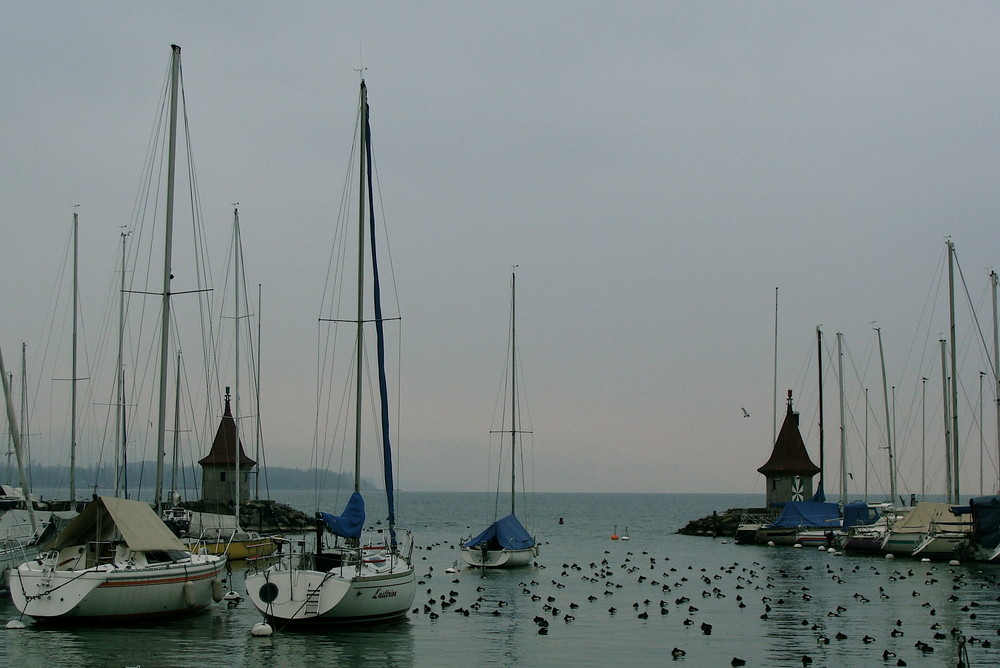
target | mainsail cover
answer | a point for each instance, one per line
(808, 514)
(859, 513)
(351, 521)
(507, 533)
(379, 332)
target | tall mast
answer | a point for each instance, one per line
(867, 411)
(923, 439)
(996, 359)
(25, 427)
(954, 369)
(16, 437)
(362, 161)
(120, 378)
(949, 479)
(76, 297)
(843, 428)
(513, 386)
(888, 427)
(177, 430)
(237, 273)
(819, 360)
(774, 397)
(257, 402)
(175, 68)
(981, 374)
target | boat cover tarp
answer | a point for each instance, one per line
(351, 521)
(930, 516)
(507, 533)
(202, 522)
(859, 513)
(11, 493)
(106, 516)
(986, 518)
(808, 514)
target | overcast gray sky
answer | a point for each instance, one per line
(655, 169)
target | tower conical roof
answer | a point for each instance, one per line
(224, 447)
(789, 455)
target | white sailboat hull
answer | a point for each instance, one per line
(115, 591)
(499, 558)
(941, 544)
(945, 544)
(351, 594)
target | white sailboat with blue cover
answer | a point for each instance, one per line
(505, 543)
(350, 574)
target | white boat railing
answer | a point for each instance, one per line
(372, 551)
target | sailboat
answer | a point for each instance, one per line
(118, 560)
(225, 535)
(20, 529)
(358, 575)
(505, 543)
(941, 530)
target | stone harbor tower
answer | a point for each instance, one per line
(218, 467)
(789, 471)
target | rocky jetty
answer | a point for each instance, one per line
(265, 516)
(721, 523)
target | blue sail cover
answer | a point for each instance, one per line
(507, 533)
(380, 338)
(350, 523)
(986, 520)
(808, 514)
(858, 514)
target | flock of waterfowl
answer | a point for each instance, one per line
(808, 603)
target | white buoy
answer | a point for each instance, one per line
(954, 562)
(823, 549)
(831, 550)
(770, 543)
(890, 555)
(15, 624)
(261, 630)
(838, 554)
(926, 560)
(797, 546)
(232, 596)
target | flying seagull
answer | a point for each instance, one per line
(745, 414)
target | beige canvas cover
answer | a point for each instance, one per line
(108, 517)
(928, 516)
(202, 522)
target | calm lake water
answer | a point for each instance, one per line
(811, 595)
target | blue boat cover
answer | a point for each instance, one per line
(808, 514)
(986, 520)
(859, 513)
(350, 523)
(507, 533)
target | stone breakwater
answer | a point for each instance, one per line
(722, 523)
(264, 516)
